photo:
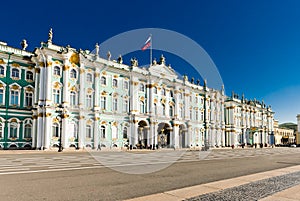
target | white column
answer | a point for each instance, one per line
(176, 135)
(48, 79)
(171, 138)
(66, 72)
(47, 133)
(81, 132)
(97, 89)
(34, 131)
(96, 132)
(65, 137)
(42, 85)
(36, 85)
(82, 86)
(150, 98)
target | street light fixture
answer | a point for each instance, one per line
(60, 110)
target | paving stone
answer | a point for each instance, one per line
(254, 190)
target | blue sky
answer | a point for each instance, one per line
(254, 44)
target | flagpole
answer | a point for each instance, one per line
(151, 50)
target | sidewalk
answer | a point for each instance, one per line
(290, 194)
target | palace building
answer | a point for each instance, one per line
(62, 96)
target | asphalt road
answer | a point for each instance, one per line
(102, 183)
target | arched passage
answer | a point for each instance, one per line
(182, 136)
(164, 136)
(142, 134)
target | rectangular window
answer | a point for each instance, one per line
(88, 131)
(103, 102)
(28, 99)
(126, 86)
(27, 131)
(125, 106)
(72, 98)
(202, 116)
(1, 97)
(56, 96)
(89, 100)
(115, 104)
(14, 97)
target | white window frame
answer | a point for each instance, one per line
(55, 72)
(73, 73)
(11, 73)
(9, 127)
(103, 80)
(25, 98)
(126, 85)
(89, 77)
(25, 123)
(2, 102)
(73, 98)
(115, 104)
(102, 132)
(4, 71)
(115, 83)
(103, 99)
(55, 93)
(10, 96)
(26, 73)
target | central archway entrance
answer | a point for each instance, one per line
(182, 136)
(163, 137)
(142, 135)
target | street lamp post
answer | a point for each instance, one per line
(59, 117)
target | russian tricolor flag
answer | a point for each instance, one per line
(147, 44)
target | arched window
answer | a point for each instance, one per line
(55, 130)
(103, 80)
(142, 87)
(27, 130)
(29, 75)
(125, 105)
(155, 109)
(163, 110)
(88, 129)
(73, 74)
(73, 98)
(89, 77)
(115, 83)
(142, 107)
(2, 71)
(125, 133)
(15, 73)
(102, 132)
(163, 92)
(126, 85)
(170, 110)
(56, 70)
(180, 95)
(13, 130)
(155, 90)
(171, 93)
